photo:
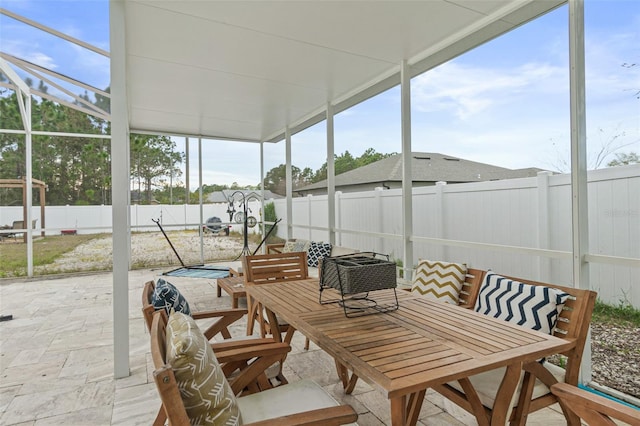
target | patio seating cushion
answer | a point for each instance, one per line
(317, 251)
(486, 384)
(167, 296)
(295, 245)
(303, 395)
(532, 306)
(205, 392)
(440, 281)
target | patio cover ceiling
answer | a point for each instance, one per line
(246, 70)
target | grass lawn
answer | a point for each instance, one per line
(622, 314)
(45, 251)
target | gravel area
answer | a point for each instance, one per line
(615, 348)
(149, 249)
(615, 354)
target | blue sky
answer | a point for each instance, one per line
(505, 103)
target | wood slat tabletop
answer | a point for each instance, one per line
(421, 344)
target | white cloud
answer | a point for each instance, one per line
(469, 90)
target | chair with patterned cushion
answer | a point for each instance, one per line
(594, 409)
(193, 387)
(172, 298)
(448, 282)
(562, 311)
(224, 318)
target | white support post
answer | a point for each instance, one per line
(262, 216)
(379, 219)
(200, 230)
(28, 183)
(407, 184)
(186, 174)
(289, 178)
(23, 98)
(544, 263)
(579, 202)
(331, 176)
(120, 191)
(339, 216)
(310, 216)
(439, 232)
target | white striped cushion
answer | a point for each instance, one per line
(532, 306)
(441, 281)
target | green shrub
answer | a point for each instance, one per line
(270, 216)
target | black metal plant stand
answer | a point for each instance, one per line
(245, 249)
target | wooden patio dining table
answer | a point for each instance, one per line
(404, 352)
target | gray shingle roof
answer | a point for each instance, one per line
(224, 195)
(426, 167)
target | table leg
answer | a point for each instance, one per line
(251, 314)
(414, 406)
(505, 393)
(406, 409)
(398, 410)
(348, 382)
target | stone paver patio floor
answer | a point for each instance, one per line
(56, 358)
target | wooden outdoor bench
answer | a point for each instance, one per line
(534, 392)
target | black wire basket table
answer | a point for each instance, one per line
(355, 276)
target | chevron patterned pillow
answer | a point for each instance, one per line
(295, 245)
(205, 392)
(532, 306)
(441, 281)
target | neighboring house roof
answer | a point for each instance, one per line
(224, 195)
(426, 167)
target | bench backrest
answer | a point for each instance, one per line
(573, 323)
(471, 288)
(276, 267)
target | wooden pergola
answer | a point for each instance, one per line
(22, 183)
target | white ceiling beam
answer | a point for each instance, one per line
(14, 77)
(29, 67)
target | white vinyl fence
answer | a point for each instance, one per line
(97, 219)
(518, 227)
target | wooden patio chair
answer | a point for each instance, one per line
(535, 388)
(272, 268)
(225, 317)
(301, 403)
(594, 409)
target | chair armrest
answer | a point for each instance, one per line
(235, 344)
(218, 313)
(249, 352)
(275, 248)
(331, 416)
(252, 363)
(226, 318)
(593, 408)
